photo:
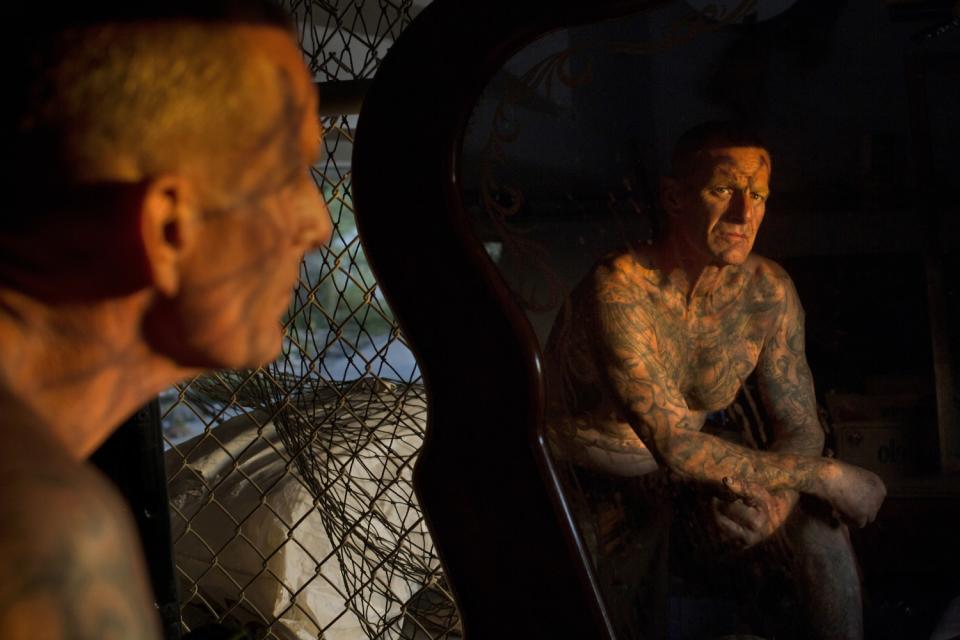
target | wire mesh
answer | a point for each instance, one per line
(291, 498)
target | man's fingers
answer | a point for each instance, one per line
(752, 493)
(734, 532)
(743, 514)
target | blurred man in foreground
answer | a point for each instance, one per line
(158, 205)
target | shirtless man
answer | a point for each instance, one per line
(158, 202)
(657, 338)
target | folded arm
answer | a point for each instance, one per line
(630, 355)
(630, 352)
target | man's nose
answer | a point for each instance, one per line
(316, 226)
(739, 209)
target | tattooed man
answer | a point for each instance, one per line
(158, 202)
(658, 338)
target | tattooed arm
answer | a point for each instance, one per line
(630, 353)
(786, 388)
(71, 559)
(786, 384)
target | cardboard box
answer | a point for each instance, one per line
(890, 450)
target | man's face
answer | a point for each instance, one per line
(718, 208)
(246, 261)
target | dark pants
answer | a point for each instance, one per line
(625, 524)
(655, 552)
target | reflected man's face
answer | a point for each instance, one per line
(718, 208)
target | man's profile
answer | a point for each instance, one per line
(159, 202)
(656, 339)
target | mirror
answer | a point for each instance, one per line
(562, 165)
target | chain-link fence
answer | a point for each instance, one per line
(291, 498)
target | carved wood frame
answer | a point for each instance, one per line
(485, 479)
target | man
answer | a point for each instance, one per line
(158, 205)
(657, 338)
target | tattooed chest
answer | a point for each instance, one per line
(716, 359)
(713, 375)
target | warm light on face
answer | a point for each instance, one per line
(724, 203)
(245, 263)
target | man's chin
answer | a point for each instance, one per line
(732, 258)
(236, 350)
(261, 351)
(267, 352)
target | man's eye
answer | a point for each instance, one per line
(721, 191)
(759, 197)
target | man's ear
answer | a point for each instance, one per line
(168, 227)
(670, 195)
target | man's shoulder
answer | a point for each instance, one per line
(67, 539)
(624, 272)
(42, 481)
(767, 278)
(763, 267)
(627, 260)
(772, 288)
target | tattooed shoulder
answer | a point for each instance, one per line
(773, 282)
(769, 282)
(72, 562)
(624, 278)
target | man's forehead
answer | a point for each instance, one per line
(737, 163)
(284, 133)
(749, 160)
(279, 46)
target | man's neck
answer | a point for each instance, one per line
(75, 371)
(690, 273)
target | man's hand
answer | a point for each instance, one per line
(855, 493)
(747, 514)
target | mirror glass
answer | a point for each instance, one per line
(569, 176)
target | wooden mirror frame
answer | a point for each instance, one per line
(485, 480)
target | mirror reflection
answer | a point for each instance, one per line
(728, 226)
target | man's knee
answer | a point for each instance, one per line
(814, 532)
(824, 565)
(824, 572)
